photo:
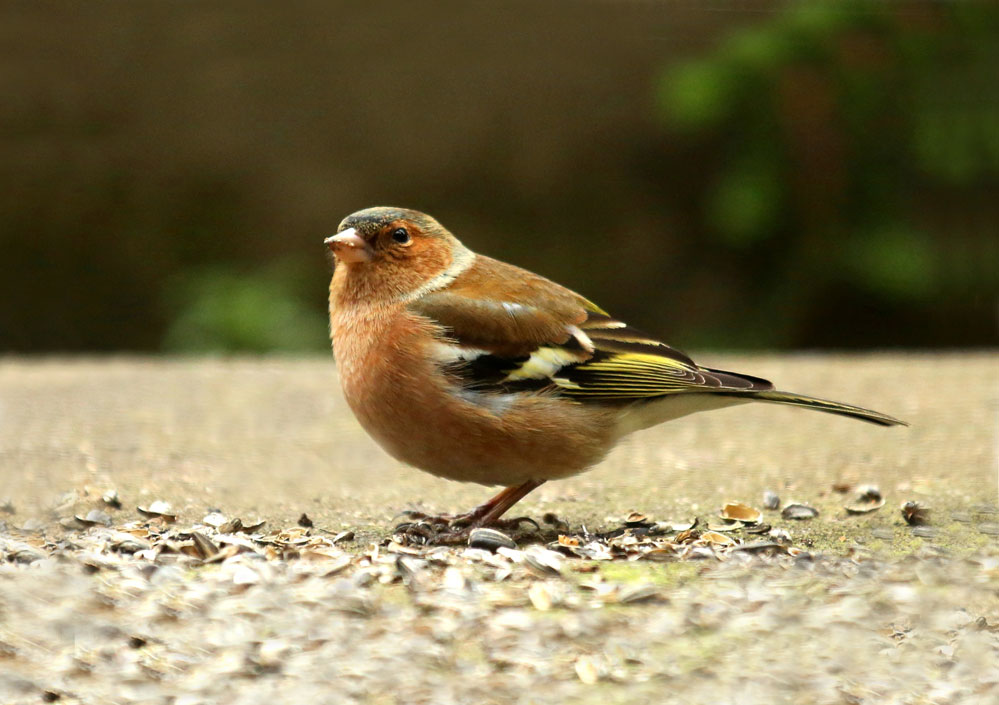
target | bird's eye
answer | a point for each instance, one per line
(400, 235)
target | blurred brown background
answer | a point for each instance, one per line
(736, 174)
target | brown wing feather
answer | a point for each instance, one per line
(504, 309)
(537, 335)
(525, 325)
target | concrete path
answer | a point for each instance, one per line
(854, 609)
(273, 438)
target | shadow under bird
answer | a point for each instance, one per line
(476, 370)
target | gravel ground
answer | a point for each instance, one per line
(639, 590)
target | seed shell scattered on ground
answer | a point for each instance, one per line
(158, 608)
(799, 512)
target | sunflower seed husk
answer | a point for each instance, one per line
(780, 535)
(127, 543)
(347, 535)
(490, 539)
(737, 511)
(637, 593)
(542, 561)
(338, 565)
(799, 512)
(915, 514)
(761, 547)
(232, 526)
(253, 526)
(413, 572)
(867, 499)
(771, 500)
(25, 554)
(636, 519)
(94, 517)
(158, 510)
(214, 519)
(713, 537)
(242, 544)
(206, 548)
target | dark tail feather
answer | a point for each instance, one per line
(831, 407)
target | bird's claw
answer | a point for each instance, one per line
(514, 524)
(428, 532)
(416, 532)
(446, 529)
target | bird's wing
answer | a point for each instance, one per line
(506, 329)
(629, 365)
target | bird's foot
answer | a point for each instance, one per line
(427, 529)
(449, 529)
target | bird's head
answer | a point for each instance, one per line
(388, 252)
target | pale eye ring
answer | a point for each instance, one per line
(400, 235)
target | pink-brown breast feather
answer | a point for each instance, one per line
(399, 394)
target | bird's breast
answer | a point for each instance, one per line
(369, 346)
(392, 379)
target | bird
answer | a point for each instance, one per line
(476, 370)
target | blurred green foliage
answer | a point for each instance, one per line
(742, 174)
(843, 128)
(217, 309)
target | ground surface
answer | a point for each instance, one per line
(129, 608)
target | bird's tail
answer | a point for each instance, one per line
(832, 407)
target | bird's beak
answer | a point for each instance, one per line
(348, 246)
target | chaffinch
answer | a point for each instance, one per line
(476, 370)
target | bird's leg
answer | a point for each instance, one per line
(489, 512)
(451, 529)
